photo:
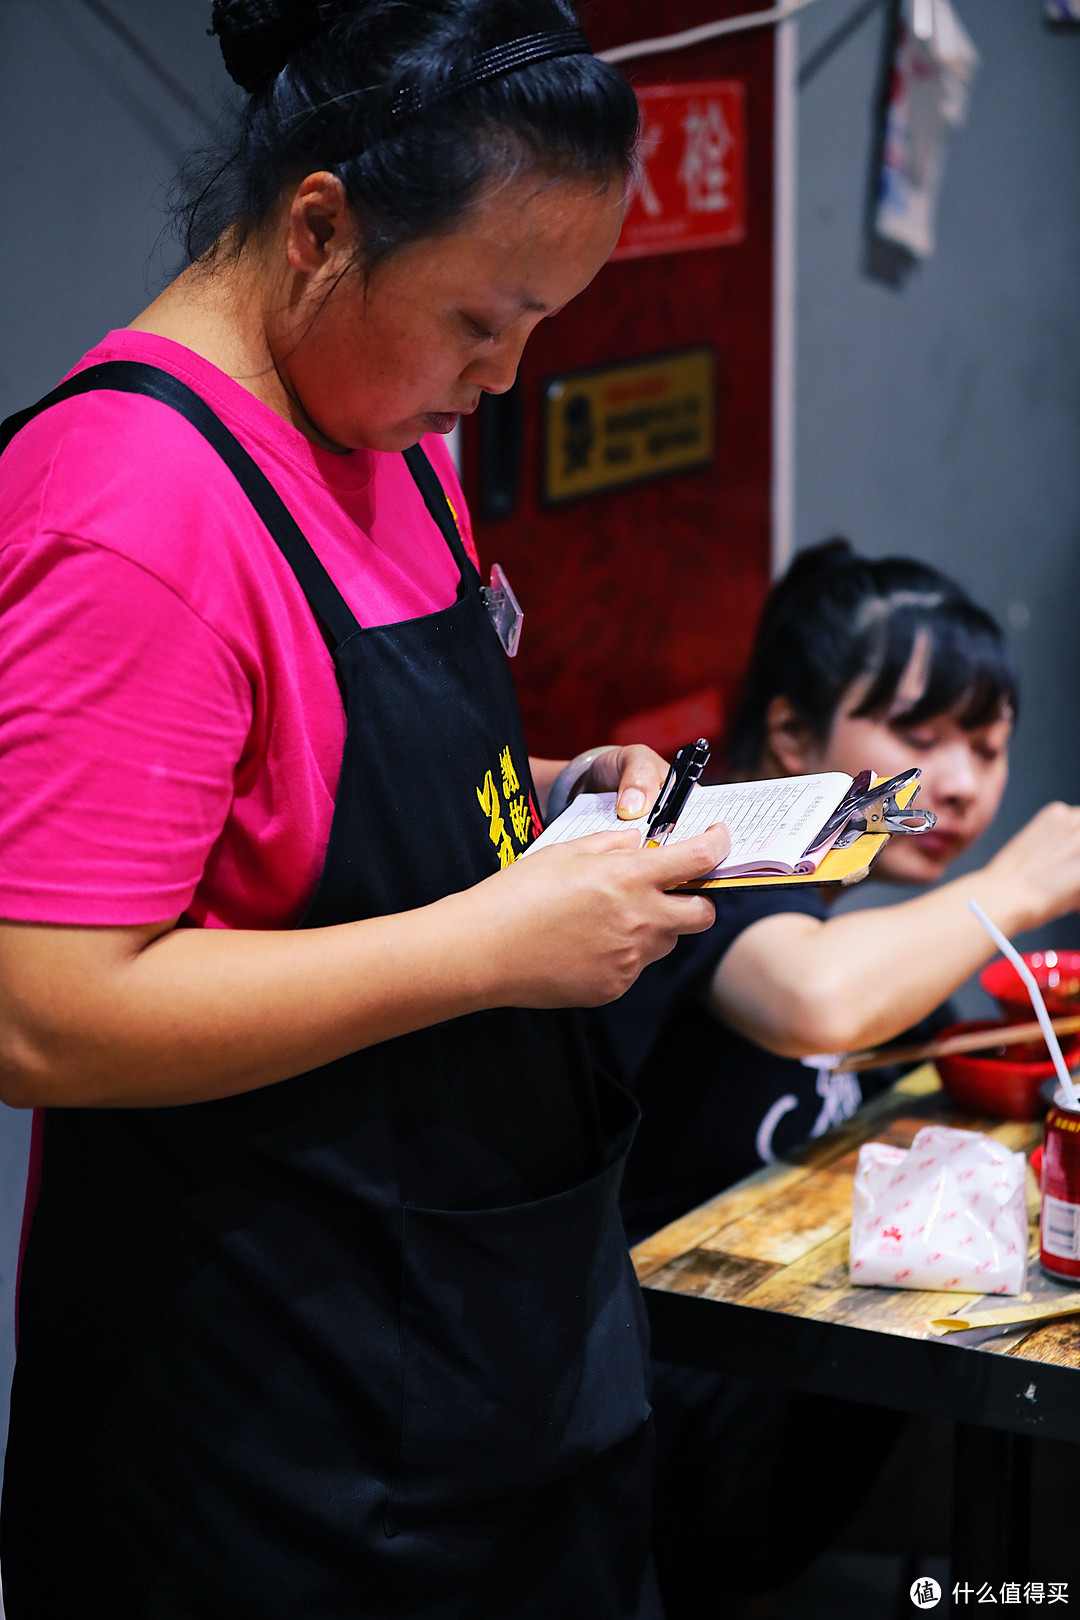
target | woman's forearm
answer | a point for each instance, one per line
(193, 1014)
(128, 1017)
(544, 772)
(796, 985)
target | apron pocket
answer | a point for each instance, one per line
(523, 1347)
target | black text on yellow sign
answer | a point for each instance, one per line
(616, 425)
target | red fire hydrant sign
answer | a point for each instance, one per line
(690, 188)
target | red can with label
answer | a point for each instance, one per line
(1059, 1247)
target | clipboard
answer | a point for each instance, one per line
(839, 868)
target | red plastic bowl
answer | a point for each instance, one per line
(999, 1083)
(1057, 974)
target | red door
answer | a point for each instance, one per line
(625, 485)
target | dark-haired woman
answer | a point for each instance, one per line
(857, 663)
(325, 1309)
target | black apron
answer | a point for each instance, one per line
(365, 1343)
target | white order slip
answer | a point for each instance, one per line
(771, 823)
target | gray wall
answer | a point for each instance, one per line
(91, 136)
(939, 417)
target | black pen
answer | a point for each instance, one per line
(684, 771)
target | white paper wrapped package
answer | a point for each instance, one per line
(949, 1213)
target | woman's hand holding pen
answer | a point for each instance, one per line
(634, 772)
(574, 925)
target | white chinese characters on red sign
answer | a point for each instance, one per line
(690, 188)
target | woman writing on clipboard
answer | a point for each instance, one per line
(325, 1308)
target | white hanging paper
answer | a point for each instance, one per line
(933, 68)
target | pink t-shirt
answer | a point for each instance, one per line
(171, 729)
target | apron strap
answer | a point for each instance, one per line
(136, 377)
(437, 502)
(324, 598)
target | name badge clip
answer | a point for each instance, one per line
(503, 610)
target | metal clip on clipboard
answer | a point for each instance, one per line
(873, 809)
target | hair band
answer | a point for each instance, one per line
(491, 64)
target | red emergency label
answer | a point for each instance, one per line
(690, 188)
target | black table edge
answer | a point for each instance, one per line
(927, 1376)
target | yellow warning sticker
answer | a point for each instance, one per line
(615, 425)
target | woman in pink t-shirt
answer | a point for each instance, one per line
(325, 1307)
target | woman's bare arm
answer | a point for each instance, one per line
(797, 985)
(162, 1015)
(544, 772)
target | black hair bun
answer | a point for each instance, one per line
(820, 559)
(258, 37)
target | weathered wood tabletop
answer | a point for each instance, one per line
(756, 1282)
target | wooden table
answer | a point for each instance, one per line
(756, 1283)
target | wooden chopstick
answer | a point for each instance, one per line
(979, 1040)
(1042, 1310)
